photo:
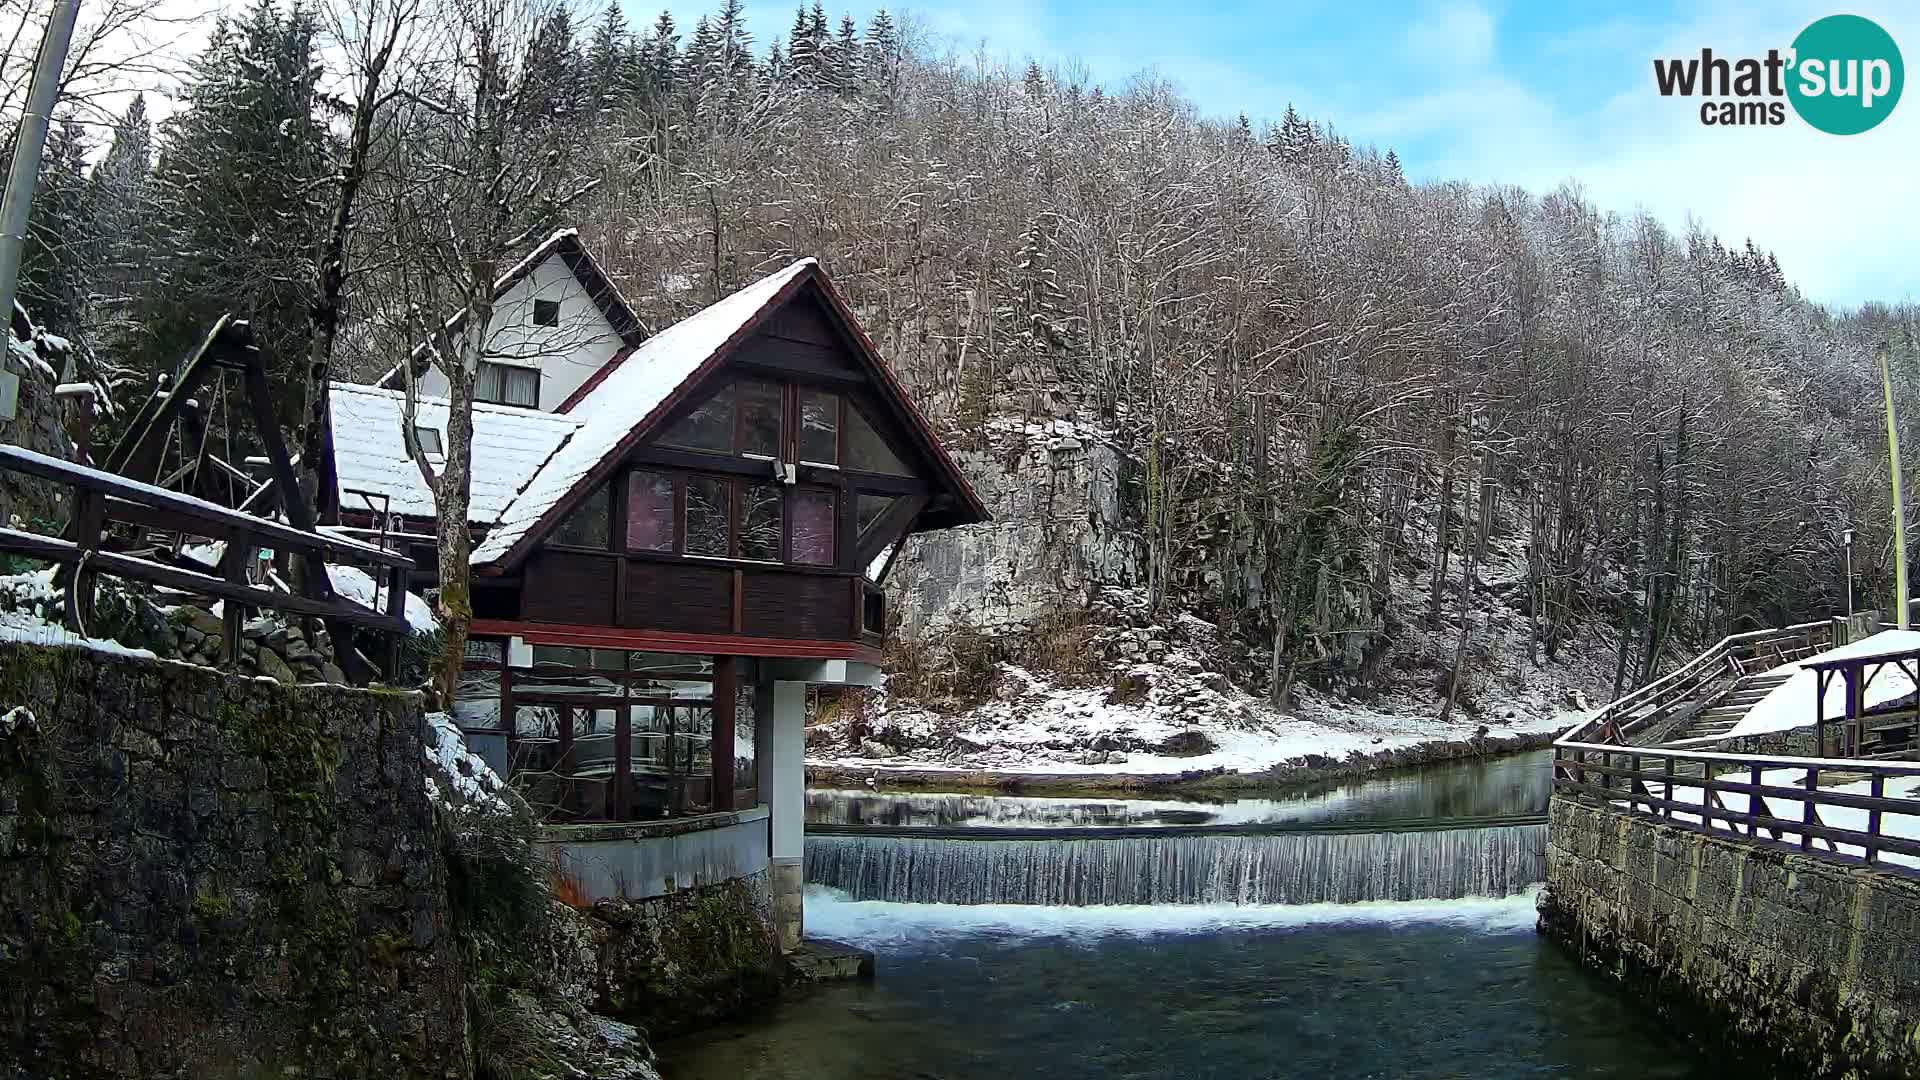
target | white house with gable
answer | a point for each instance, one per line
(557, 319)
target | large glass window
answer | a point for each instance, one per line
(761, 404)
(708, 427)
(759, 521)
(867, 451)
(708, 498)
(819, 427)
(649, 511)
(813, 514)
(586, 526)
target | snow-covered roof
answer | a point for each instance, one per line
(1791, 704)
(509, 446)
(625, 401)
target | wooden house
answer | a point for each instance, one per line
(670, 547)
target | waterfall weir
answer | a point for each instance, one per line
(1084, 867)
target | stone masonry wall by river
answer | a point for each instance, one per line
(1790, 957)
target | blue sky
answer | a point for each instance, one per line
(1507, 92)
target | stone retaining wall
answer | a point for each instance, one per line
(216, 877)
(1799, 966)
(694, 956)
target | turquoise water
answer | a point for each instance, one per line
(1424, 989)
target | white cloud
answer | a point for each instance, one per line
(1455, 34)
(1836, 210)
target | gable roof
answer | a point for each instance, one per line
(509, 446)
(640, 386)
(566, 246)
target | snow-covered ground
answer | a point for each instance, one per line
(1178, 717)
(1792, 703)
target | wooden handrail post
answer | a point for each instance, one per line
(86, 529)
(1812, 785)
(1877, 790)
(1705, 796)
(396, 609)
(1667, 810)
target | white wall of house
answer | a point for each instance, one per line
(565, 354)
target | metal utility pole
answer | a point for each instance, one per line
(28, 144)
(1884, 353)
(1846, 544)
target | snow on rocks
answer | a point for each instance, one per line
(457, 777)
(16, 719)
(1154, 718)
(28, 628)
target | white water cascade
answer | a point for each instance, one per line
(1274, 868)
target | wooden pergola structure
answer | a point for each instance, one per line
(1861, 731)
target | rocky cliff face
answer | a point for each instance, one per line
(1030, 641)
(1065, 525)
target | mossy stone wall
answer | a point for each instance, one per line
(1784, 964)
(215, 877)
(695, 956)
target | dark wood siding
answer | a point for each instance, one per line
(802, 321)
(785, 605)
(566, 588)
(687, 597)
(797, 356)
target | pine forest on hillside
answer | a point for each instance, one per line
(1329, 379)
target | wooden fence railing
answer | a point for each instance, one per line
(1757, 796)
(1873, 812)
(1699, 678)
(102, 499)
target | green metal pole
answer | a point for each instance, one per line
(1884, 353)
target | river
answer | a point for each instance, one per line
(1207, 982)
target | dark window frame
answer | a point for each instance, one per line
(788, 444)
(619, 512)
(501, 398)
(546, 312)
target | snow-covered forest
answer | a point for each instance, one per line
(1329, 379)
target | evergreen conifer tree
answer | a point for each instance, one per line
(237, 211)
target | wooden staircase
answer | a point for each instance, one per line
(1727, 710)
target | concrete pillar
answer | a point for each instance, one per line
(786, 781)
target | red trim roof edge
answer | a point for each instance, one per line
(617, 637)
